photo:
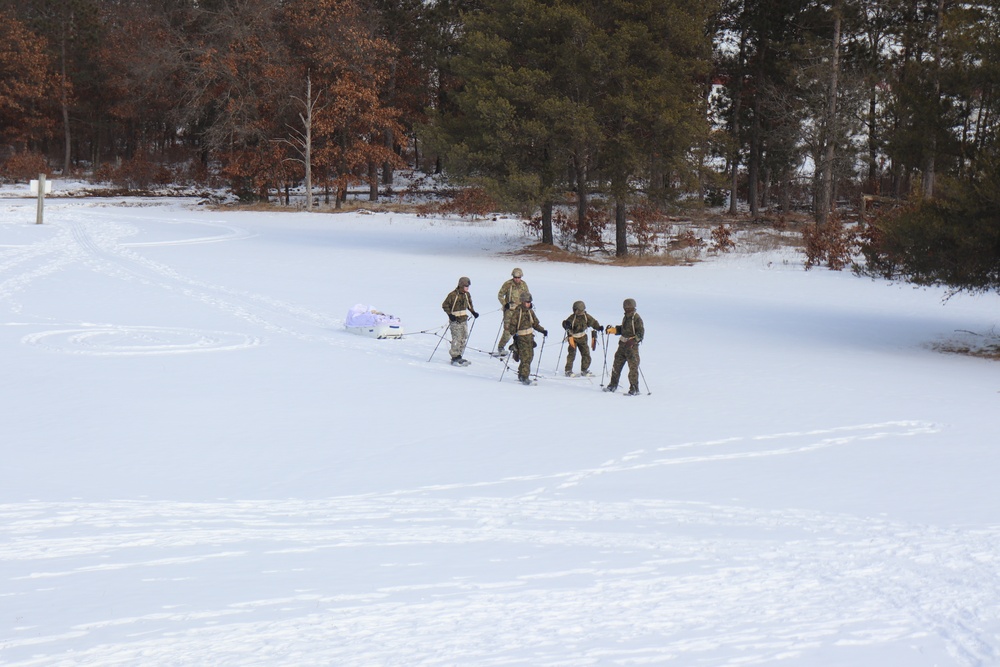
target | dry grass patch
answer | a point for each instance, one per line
(971, 344)
(552, 253)
(666, 259)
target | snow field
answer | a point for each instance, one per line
(203, 467)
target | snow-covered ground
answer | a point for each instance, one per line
(201, 467)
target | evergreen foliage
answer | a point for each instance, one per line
(953, 240)
(592, 96)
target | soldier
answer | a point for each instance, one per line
(458, 306)
(632, 332)
(509, 297)
(523, 324)
(576, 338)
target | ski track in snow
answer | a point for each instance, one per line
(98, 244)
(797, 570)
(339, 597)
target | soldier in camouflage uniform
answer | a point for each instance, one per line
(523, 324)
(509, 297)
(458, 306)
(632, 332)
(576, 337)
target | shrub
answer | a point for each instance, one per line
(952, 241)
(137, 173)
(23, 166)
(831, 243)
(646, 225)
(722, 239)
(473, 202)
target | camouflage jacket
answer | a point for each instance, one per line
(510, 292)
(632, 327)
(523, 319)
(576, 324)
(458, 303)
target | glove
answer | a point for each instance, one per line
(545, 332)
(452, 317)
(474, 314)
(565, 325)
(596, 327)
(611, 330)
(506, 306)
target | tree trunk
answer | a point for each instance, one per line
(547, 222)
(372, 181)
(931, 154)
(734, 160)
(753, 171)
(825, 200)
(64, 103)
(621, 230)
(307, 149)
(873, 175)
(581, 199)
(387, 171)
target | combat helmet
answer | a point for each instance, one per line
(579, 306)
(517, 273)
(526, 297)
(628, 304)
(464, 282)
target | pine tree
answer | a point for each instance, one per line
(577, 95)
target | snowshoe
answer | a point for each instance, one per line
(526, 381)
(570, 374)
(611, 388)
(632, 392)
(501, 353)
(459, 361)
(586, 374)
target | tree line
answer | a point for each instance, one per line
(612, 106)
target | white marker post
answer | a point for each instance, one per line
(41, 187)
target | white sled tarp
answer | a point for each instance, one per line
(366, 321)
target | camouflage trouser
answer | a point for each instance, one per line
(525, 346)
(627, 351)
(504, 332)
(581, 344)
(459, 336)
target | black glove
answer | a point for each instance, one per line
(545, 332)
(452, 317)
(566, 325)
(474, 314)
(506, 306)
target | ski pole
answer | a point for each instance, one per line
(506, 362)
(643, 376)
(467, 338)
(539, 366)
(604, 344)
(496, 340)
(565, 338)
(440, 338)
